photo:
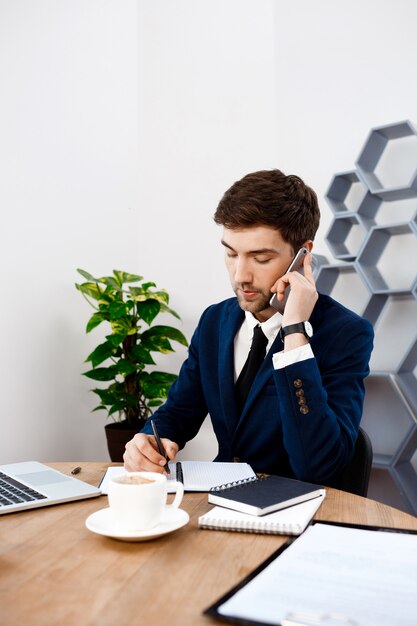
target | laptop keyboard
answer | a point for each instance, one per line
(13, 492)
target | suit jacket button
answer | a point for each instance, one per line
(304, 409)
(299, 393)
(302, 401)
(236, 459)
(297, 382)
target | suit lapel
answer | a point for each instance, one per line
(228, 330)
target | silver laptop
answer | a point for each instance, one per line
(31, 484)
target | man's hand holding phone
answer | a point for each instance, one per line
(278, 299)
(298, 303)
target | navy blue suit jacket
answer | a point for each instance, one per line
(301, 421)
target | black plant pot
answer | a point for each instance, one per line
(118, 434)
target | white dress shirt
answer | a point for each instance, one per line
(270, 328)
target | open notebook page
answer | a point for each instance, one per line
(197, 475)
(204, 475)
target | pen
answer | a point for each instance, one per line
(160, 447)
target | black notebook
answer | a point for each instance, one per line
(260, 496)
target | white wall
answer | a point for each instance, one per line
(69, 198)
(121, 125)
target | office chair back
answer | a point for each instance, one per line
(355, 477)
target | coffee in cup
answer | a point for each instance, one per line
(137, 499)
(133, 479)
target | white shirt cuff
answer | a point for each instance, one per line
(282, 359)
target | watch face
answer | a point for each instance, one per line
(308, 328)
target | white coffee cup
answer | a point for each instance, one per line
(137, 499)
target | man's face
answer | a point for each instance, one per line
(255, 258)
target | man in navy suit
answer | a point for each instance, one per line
(302, 412)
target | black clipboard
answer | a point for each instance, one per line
(212, 611)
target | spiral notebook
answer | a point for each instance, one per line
(195, 475)
(290, 521)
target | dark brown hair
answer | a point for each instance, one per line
(270, 198)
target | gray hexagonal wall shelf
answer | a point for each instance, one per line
(376, 145)
(407, 376)
(395, 331)
(368, 209)
(318, 261)
(346, 236)
(387, 419)
(387, 261)
(346, 284)
(346, 192)
(405, 477)
(373, 236)
(388, 213)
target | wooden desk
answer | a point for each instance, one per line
(53, 571)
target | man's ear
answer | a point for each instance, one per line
(308, 244)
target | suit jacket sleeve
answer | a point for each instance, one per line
(185, 409)
(321, 400)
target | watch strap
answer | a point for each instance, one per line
(293, 328)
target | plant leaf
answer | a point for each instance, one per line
(125, 367)
(142, 355)
(148, 310)
(100, 407)
(106, 395)
(167, 309)
(137, 291)
(156, 384)
(117, 407)
(90, 289)
(94, 321)
(155, 402)
(101, 353)
(161, 296)
(101, 373)
(117, 309)
(157, 344)
(162, 377)
(107, 297)
(116, 339)
(125, 277)
(155, 390)
(146, 286)
(139, 294)
(110, 282)
(123, 326)
(165, 331)
(87, 275)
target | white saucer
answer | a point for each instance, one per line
(101, 522)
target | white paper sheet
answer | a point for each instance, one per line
(369, 577)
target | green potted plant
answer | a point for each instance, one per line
(129, 307)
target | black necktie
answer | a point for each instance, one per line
(255, 357)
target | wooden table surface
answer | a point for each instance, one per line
(53, 571)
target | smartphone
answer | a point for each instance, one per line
(295, 265)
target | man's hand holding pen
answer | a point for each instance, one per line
(142, 454)
(161, 448)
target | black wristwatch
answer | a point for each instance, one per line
(302, 327)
